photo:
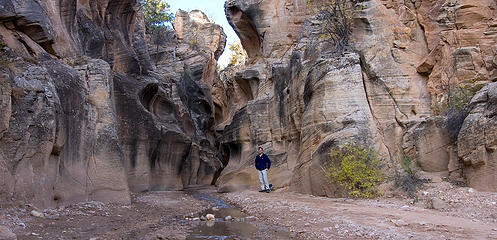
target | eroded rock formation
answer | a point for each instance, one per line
(91, 111)
(298, 98)
(93, 107)
(477, 140)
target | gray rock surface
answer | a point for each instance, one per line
(94, 110)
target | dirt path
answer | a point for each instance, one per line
(310, 217)
(155, 215)
(152, 215)
(465, 214)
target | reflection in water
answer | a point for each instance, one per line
(237, 228)
(221, 229)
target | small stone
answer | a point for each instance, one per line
(37, 214)
(438, 204)
(425, 193)
(471, 190)
(203, 218)
(400, 223)
(436, 180)
(215, 209)
(35, 234)
(404, 207)
(210, 217)
(227, 218)
(326, 229)
(196, 219)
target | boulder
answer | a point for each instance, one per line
(477, 140)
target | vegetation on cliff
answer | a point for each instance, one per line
(156, 14)
(238, 55)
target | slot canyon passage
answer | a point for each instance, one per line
(109, 132)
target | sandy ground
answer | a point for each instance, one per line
(155, 215)
(464, 214)
(461, 213)
(151, 215)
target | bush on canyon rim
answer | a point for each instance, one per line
(335, 18)
(356, 169)
(156, 14)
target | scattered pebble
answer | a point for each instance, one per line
(37, 214)
(210, 217)
(400, 223)
(438, 204)
(436, 180)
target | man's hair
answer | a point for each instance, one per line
(260, 148)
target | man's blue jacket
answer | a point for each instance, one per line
(262, 162)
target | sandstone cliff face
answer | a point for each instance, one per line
(299, 99)
(166, 119)
(88, 114)
(477, 140)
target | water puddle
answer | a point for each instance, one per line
(229, 224)
(220, 228)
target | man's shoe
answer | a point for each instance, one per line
(262, 190)
(268, 191)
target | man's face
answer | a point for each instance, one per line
(260, 150)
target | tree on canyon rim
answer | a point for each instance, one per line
(156, 16)
(238, 54)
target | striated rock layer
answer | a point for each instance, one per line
(91, 111)
(298, 98)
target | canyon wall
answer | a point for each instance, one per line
(92, 108)
(298, 97)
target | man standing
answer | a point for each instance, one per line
(262, 164)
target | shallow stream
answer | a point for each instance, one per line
(240, 226)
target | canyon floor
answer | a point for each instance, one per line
(460, 213)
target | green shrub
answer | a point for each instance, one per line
(458, 99)
(356, 169)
